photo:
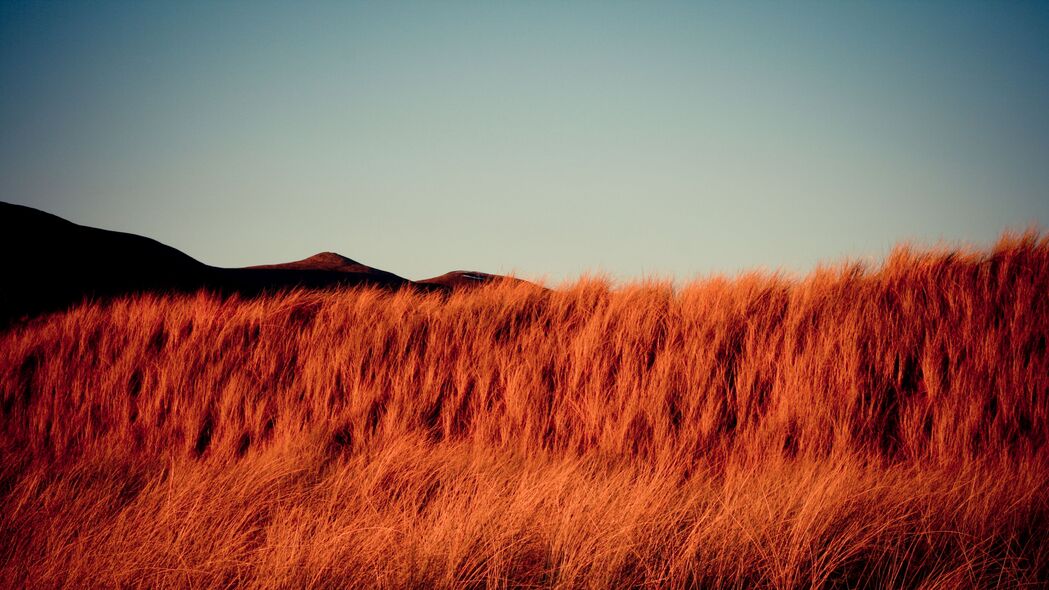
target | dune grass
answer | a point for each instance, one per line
(881, 427)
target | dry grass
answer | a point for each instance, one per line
(857, 428)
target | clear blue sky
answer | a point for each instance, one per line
(545, 138)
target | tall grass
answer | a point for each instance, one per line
(855, 428)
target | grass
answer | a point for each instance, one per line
(860, 427)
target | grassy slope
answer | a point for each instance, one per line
(869, 428)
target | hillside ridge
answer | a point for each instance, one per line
(50, 263)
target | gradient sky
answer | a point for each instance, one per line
(544, 138)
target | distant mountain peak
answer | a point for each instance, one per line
(329, 259)
(50, 263)
(466, 278)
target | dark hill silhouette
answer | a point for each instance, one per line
(49, 263)
(460, 279)
(323, 261)
(330, 262)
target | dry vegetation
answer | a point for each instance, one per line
(857, 428)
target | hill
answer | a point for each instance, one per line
(49, 263)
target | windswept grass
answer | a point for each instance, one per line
(858, 428)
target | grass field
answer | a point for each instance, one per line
(881, 427)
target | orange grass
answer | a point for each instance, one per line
(857, 428)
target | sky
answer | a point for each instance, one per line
(548, 139)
